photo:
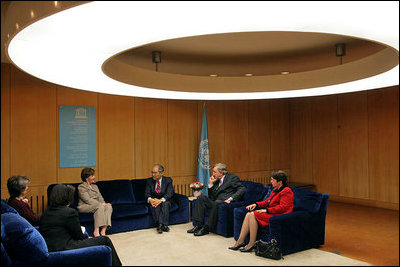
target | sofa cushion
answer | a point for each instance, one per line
(3, 231)
(306, 200)
(22, 240)
(85, 217)
(267, 193)
(5, 260)
(129, 210)
(254, 191)
(117, 191)
(6, 208)
(173, 207)
(139, 187)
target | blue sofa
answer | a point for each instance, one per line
(22, 244)
(302, 229)
(254, 192)
(130, 208)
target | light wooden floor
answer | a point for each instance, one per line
(363, 233)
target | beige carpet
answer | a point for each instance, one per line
(147, 247)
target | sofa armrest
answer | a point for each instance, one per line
(288, 223)
(179, 198)
(296, 231)
(182, 201)
(95, 255)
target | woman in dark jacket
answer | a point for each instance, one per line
(17, 188)
(60, 225)
(279, 202)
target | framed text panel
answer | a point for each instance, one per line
(77, 136)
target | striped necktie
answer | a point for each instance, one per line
(158, 188)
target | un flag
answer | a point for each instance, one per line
(203, 168)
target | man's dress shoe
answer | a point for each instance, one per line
(194, 229)
(165, 228)
(202, 231)
(159, 229)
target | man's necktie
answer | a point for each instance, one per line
(158, 188)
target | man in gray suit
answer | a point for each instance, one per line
(223, 187)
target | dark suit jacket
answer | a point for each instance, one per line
(60, 228)
(232, 187)
(167, 190)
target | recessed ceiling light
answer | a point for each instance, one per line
(36, 48)
(285, 72)
(248, 74)
(213, 75)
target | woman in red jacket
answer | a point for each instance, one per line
(279, 202)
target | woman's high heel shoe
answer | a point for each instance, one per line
(238, 246)
(248, 250)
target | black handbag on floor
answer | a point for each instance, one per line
(268, 250)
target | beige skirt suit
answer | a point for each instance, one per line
(91, 201)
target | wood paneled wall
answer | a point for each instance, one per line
(345, 144)
(348, 145)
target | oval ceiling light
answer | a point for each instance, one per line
(70, 47)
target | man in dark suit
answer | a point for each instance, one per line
(223, 187)
(159, 192)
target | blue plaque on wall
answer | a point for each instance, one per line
(77, 136)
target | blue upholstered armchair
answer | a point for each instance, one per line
(22, 244)
(254, 192)
(302, 229)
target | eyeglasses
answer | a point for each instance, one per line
(154, 172)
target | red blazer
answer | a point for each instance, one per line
(276, 204)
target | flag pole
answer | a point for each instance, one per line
(203, 167)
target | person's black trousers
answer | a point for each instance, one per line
(161, 213)
(97, 241)
(203, 203)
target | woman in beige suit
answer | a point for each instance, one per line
(91, 201)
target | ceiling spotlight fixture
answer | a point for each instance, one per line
(248, 74)
(285, 72)
(340, 51)
(156, 57)
(213, 75)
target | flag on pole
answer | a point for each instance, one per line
(203, 167)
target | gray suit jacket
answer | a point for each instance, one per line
(232, 187)
(89, 197)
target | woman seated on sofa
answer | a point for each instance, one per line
(60, 225)
(17, 188)
(279, 202)
(91, 201)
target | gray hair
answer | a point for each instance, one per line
(160, 167)
(17, 184)
(221, 167)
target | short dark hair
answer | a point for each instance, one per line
(280, 176)
(86, 173)
(61, 195)
(17, 184)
